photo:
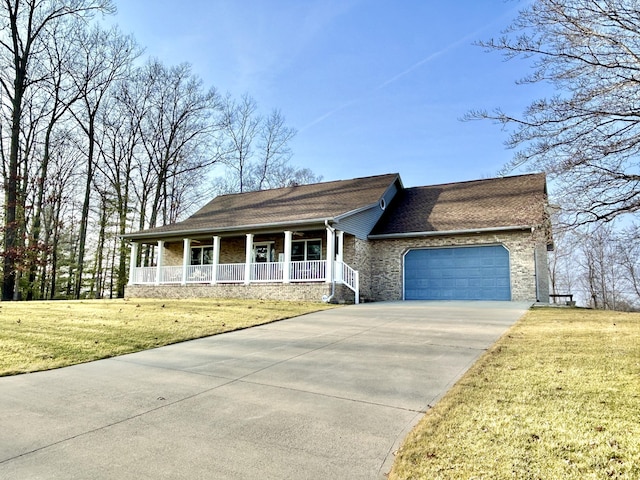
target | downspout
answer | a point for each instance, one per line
(325, 298)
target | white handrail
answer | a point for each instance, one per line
(350, 278)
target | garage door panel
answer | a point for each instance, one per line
(465, 273)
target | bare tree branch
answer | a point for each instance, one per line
(587, 136)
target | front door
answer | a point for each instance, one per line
(262, 252)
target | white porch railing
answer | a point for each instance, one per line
(303, 271)
(199, 273)
(230, 273)
(144, 275)
(308, 271)
(171, 275)
(267, 272)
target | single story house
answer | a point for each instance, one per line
(364, 239)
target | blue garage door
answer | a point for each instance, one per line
(463, 273)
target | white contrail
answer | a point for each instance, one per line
(406, 72)
(393, 79)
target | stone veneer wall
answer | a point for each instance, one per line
(172, 255)
(363, 263)
(302, 292)
(542, 259)
(386, 258)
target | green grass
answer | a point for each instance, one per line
(558, 397)
(43, 335)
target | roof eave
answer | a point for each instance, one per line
(512, 228)
(239, 228)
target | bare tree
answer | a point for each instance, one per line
(59, 215)
(240, 127)
(120, 143)
(563, 274)
(257, 150)
(104, 57)
(588, 134)
(178, 135)
(24, 24)
(57, 97)
(274, 151)
(629, 256)
(90, 147)
(604, 266)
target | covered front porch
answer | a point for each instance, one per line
(290, 258)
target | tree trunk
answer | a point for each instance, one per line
(84, 218)
(37, 217)
(11, 193)
(99, 272)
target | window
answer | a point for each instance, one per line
(302, 250)
(201, 255)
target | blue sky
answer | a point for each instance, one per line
(372, 86)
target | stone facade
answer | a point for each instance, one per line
(300, 292)
(527, 284)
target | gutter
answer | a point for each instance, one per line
(197, 231)
(385, 236)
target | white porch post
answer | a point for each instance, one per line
(160, 261)
(331, 254)
(286, 273)
(186, 259)
(339, 269)
(216, 259)
(339, 253)
(248, 255)
(133, 262)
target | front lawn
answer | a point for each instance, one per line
(558, 397)
(44, 335)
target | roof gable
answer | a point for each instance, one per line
(517, 201)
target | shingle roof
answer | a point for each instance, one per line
(476, 205)
(290, 205)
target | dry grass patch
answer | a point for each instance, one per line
(557, 397)
(43, 335)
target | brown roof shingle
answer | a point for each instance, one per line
(475, 205)
(289, 205)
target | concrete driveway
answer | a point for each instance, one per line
(326, 395)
